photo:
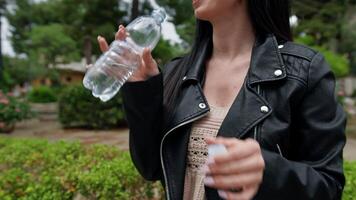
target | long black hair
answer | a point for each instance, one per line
(267, 17)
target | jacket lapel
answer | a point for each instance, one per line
(244, 113)
(249, 108)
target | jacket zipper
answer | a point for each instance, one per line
(279, 150)
(161, 148)
(255, 131)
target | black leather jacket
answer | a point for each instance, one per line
(287, 103)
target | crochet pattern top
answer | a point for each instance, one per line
(197, 152)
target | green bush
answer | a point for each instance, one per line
(13, 110)
(78, 108)
(42, 94)
(350, 188)
(37, 169)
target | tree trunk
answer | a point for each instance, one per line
(134, 9)
(1, 61)
(88, 47)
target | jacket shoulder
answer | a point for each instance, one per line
(168, 68)
(298, 50)
(304, 63)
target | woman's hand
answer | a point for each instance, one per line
(148, 66)
(238, 173)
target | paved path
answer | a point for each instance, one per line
(350, 149)
(51, 130)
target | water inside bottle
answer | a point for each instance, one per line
(112, 70)
(115, 66)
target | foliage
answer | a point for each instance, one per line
(338, 63)
(6, 82)
(37, 169)
(320, 19)
(42, 94)
(350, 173)
(164, 51)
(18, 71)
(80, 21)
(52, 45)
(86, 20)
(331, 24)
(77, 107)
(348, 37)
(348, 31)
(13, 110)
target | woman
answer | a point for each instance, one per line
(247, 86)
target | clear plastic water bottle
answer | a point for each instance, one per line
(116, 65)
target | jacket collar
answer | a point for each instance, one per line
(266, 62)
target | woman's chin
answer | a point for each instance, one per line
(201, 14)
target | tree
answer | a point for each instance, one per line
(52, 45)
(2, 8)
(86, 20)
(348, 45)
(134, 9)
(83, 21)
(322, 19)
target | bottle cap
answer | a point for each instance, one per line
(215, 149)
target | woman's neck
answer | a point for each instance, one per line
(233, 35)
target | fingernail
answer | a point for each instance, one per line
(210, 160)
(222, 194)
(208, 180)
(205, 169)
(99, 37)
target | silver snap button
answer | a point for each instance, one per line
(264, 109)
(278, 72)
(202, 105)
(184, 78)
(280, 46)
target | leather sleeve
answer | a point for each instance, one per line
(143, 103)
(316, 168)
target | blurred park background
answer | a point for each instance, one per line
(59, 142)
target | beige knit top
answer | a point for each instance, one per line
(198, 152)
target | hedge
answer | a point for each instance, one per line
(350, 173)
(78, 108)
(42, 94)
(38, 169)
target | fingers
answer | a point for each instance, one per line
(147, 59)
(227, 182)
(247, 193)
(241, 167)
(220, 140)
(103, 44)
(245, 165)
(121, 34)
(237, 149)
